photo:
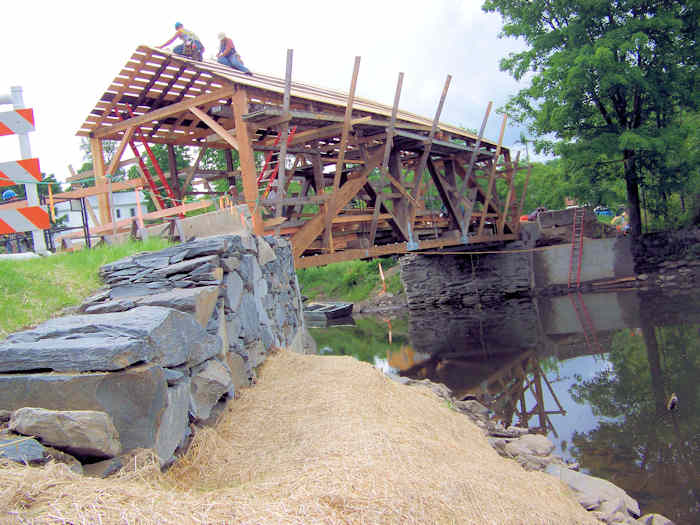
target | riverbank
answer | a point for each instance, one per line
(317, 440)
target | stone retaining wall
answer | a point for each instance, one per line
(171, 335)
(654, 249)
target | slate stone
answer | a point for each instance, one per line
(233, 290)
(173, 377)
(237, 367)
(654, 519)
(24, 451)
(137, 290)
(109, 342)
(535, 444)
(250, 270)
(173, 423)
(82, 433)
(209, 382)
(256, 354)
(230, 263)
(134, 398)
(265, 253)
(592, 487)
(118, 305)
(250, 319)
(188, 266)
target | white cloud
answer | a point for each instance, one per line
(65, 54)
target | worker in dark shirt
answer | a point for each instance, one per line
(227, 55)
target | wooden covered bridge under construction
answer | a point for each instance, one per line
(348, 187)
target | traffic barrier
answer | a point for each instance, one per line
(25, 171)
(16, 122)
(30, 218)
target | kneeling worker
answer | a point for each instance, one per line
(227, 55)
(186, 36)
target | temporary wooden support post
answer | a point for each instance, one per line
(492, 177)
(522, 199)
(282, 159)
(422, 163)
(193, 169)
(475, 152)
(385, 161)
(114, 165)
(98, 166)
(88, 206)
(509, 196)
(247, 158)
(174, 181)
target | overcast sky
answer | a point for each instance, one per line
(65, 54)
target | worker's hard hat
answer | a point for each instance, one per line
(178, 25)
(221, 36)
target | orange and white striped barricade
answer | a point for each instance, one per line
(25, 171)
(29, 218)
(16, 122)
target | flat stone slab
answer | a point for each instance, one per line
(592, 487)
(135, 398)
(78, 432)
(114, 341)
(21, 450)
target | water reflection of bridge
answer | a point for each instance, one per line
(497, 355)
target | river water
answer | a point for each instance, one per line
(594, 372)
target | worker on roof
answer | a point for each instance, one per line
(228, 56)
(186, 36)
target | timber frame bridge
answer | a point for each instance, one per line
(347, 186)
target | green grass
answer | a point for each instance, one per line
(347, 281)
(33, 290)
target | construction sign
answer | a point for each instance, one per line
(30, 218)
(16, 122)
(25, 171)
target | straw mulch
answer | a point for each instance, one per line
(317, 440)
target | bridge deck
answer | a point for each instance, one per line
(349, 188)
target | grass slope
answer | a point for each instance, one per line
(348, 281)
(317, 440)
(32, 290)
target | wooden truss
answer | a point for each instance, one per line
(356, 179)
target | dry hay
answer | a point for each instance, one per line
(317, 440)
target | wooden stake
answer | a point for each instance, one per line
(281, 160)
(98, 166)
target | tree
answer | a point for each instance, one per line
(609, 81)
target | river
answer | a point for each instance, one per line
(594, 372)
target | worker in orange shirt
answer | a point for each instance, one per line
(227, 55)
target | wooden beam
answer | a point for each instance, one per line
(98, 166)
(191, 171)
(216, 128)
(247, 159)
(304, 237)
(452, 208)
(174, 181)
(113, 165)
(387, 249)
(158, 114)
(492, 177)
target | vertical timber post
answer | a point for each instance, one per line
(247, 159)
(98, 167)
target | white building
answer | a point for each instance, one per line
(124, 208)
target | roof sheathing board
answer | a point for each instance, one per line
(147, 61)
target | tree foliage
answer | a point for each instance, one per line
(609, 84)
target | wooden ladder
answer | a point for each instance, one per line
(576, 246)
(589, 331)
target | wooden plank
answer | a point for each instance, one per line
(446, 197)
(313, 228)
(216, 128)
(489, 190)
(158, 114)
(95, 190)
(247, 159)
(125, 223)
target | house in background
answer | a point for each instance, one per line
(125, 204)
